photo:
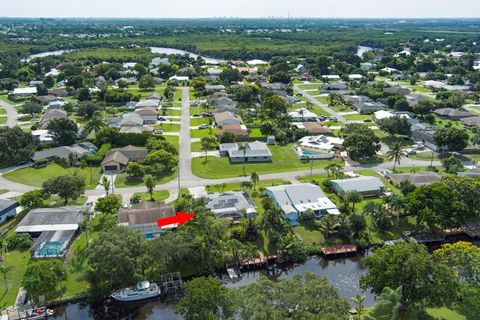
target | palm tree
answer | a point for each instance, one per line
(105, 183)
(150, 183)
(95, 124)
(328, 225)
(206, 144)
(254, 178)
(396, 154)
(4, 269)
(334, 170)
(86, 224)
(359, 301)
(237, 249)
(353, 197)
(243, 147)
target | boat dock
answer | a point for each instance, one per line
(172, 285)
(29, 314)
(339, 249)
(260, 260)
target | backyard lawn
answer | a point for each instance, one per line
(198, 121)
(172, 113)
(200, 133)
(283, 160)
(173, 140)
(358, 117)
(3, 111)
(168, 127)
(35, 177)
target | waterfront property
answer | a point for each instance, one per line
(254, 152)
(367, 186)
(143, 217)
(231, 205)
(53, 229)
(296, 199)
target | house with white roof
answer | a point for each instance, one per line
(254, 152)
(367, 186)
(24, 92)
(296, 199)
(179, 78)
(302, 115)
(320, 144)
(231, 205)
(331, 77)
(256, 62)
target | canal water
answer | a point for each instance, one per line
(342, 273)
(169, 51)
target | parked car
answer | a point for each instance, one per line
(21, 163)
(207, 114)
(299, 95)
(161, 118)
(411, 152)
(196, 115)
(158, 132)
(203, 126)
(332, 118)
(35, 120)
(367, 120)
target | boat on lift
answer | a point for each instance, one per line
(143, 290)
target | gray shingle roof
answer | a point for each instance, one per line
(359, 184)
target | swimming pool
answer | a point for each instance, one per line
(49, 249)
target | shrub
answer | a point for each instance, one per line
(136, 198)
(98, 158)
(40, 164)
(20, 241)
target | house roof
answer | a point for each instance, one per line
(236, 129)
(301, 196)
(315, 128)
(450, 112)
(49, 115)
(148, 103)
(135, 129)
(145, 213)
(472, 121)
(28, 90)
(6, 204)
(51, 219)
(115, 156)
(232, 200)
(359, 184)
(146, 111)
(417, 179)
(131, 119)
(253, 149)
(221, 116)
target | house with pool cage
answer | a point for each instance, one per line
(53, 230)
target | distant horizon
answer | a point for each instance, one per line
(237, 18)
(245, 9)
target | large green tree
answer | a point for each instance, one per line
(42, 277)
(206, 298)
(66, 187)
(306, 297)
(410, 266)
(15, 145)
(360, 141)
(116, 259)
(453, 139)
(63, 130)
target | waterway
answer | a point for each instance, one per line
(362, 49)
(47, 54)
(342, 273)
(168, 51)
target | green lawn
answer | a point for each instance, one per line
(35, 177)
(158, 196)
(3, 120)
(172, 113)
(310, 86)
(3, 111)
(358, 117)
(124, 181)
(200, 133)
(284, 159)
(444, 314)
(17, 261)
(255, 133)
(168, 127)
(173, 140)
(198, 121)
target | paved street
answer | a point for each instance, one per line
(12, 114)
(307, 95)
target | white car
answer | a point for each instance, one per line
(158, 132)
(203, 126)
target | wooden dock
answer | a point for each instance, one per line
(260, 260)
(340, 249)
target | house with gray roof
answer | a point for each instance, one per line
(231, 205)
(49, 115)
(214, 87)
(365, 185)
(296, 199)
(54, 230)
(417, 179)
(131, 120)
(471, 122)
(453, 113)
(369, 107)
(117, 160)
(254, 152)
(153, 103)
(74, 152)
(8, 209)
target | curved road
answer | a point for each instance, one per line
(12, 114)
(189, 180)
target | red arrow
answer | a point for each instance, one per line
(181, 218)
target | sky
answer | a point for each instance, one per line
(242, 8)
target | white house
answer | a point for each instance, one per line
(303, 115)
(179, 78)
(334, 77)
(296, 199)
(319, 144)
(257, 62)
(23, 92)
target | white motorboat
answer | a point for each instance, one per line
(143, 290)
